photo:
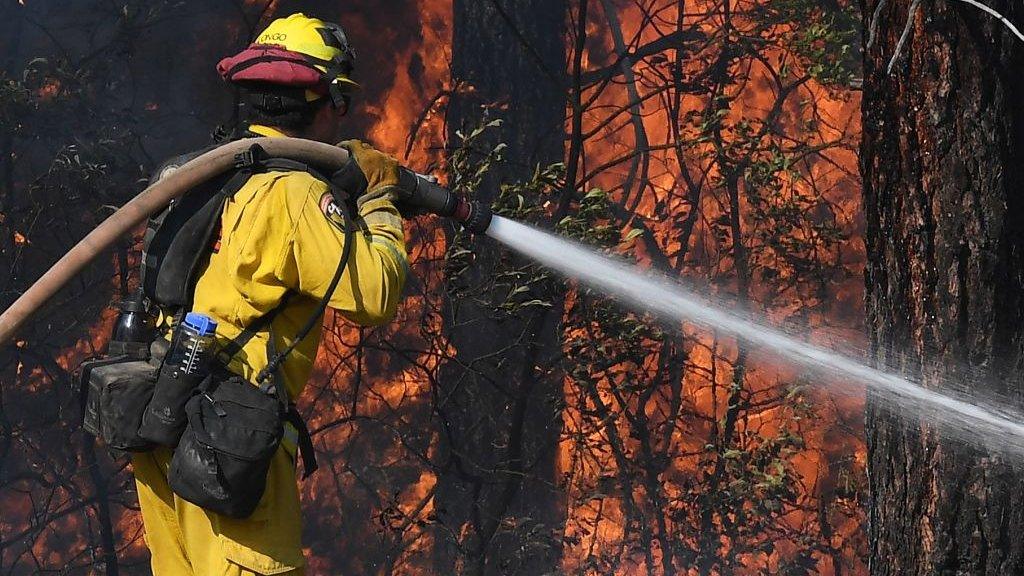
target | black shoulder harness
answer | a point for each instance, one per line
(178, 240)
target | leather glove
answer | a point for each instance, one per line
(369, 176)
(372, 178)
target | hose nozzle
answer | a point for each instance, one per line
(423, 192)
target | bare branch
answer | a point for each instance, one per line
(667, 42)
(873, 30)
(910, 22)
(906, 34)
(999, 16)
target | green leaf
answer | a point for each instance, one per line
(633, 233)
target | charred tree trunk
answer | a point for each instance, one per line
(943, 163)
(498, 503)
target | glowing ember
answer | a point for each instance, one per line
(49, 90)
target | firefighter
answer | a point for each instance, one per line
(280, 234)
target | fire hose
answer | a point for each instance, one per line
(420, 191)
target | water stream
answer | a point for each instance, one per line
(993, 427)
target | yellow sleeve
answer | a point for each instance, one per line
(371, 287)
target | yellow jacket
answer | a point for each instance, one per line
(276, 236)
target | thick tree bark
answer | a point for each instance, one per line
(943, 163)
(498, 504)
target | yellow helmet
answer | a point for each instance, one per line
(313, 37)
(297, 51)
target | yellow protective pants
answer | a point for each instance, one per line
(186, 540)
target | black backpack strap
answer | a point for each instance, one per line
(253, 160)
(247, 163)
(316, 317)
(291, 412)
(271, 374)
(305, 441)
(233, 347)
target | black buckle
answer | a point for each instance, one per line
(250, 159)
(338, 98)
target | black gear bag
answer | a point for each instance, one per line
(114, 392)
(234, 429)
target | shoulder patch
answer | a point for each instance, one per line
(331, 210)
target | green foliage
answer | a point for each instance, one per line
(794, 233)
(513, 286)
(822, 39)
(591, 223)
(746, 482)
(16, 102)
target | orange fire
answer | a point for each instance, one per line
(602, 528)
(601, 525)
(370, 400)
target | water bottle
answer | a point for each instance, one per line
(135, 329)
(186, 365)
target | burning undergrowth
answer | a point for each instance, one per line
(715, 144)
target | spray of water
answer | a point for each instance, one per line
(987, 426)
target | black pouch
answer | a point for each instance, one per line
(163, 420)
(234, 429)
(89, 392)
(115, 392)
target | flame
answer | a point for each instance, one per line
(601, 523)
(370, 400)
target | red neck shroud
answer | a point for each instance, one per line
(273, 65)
